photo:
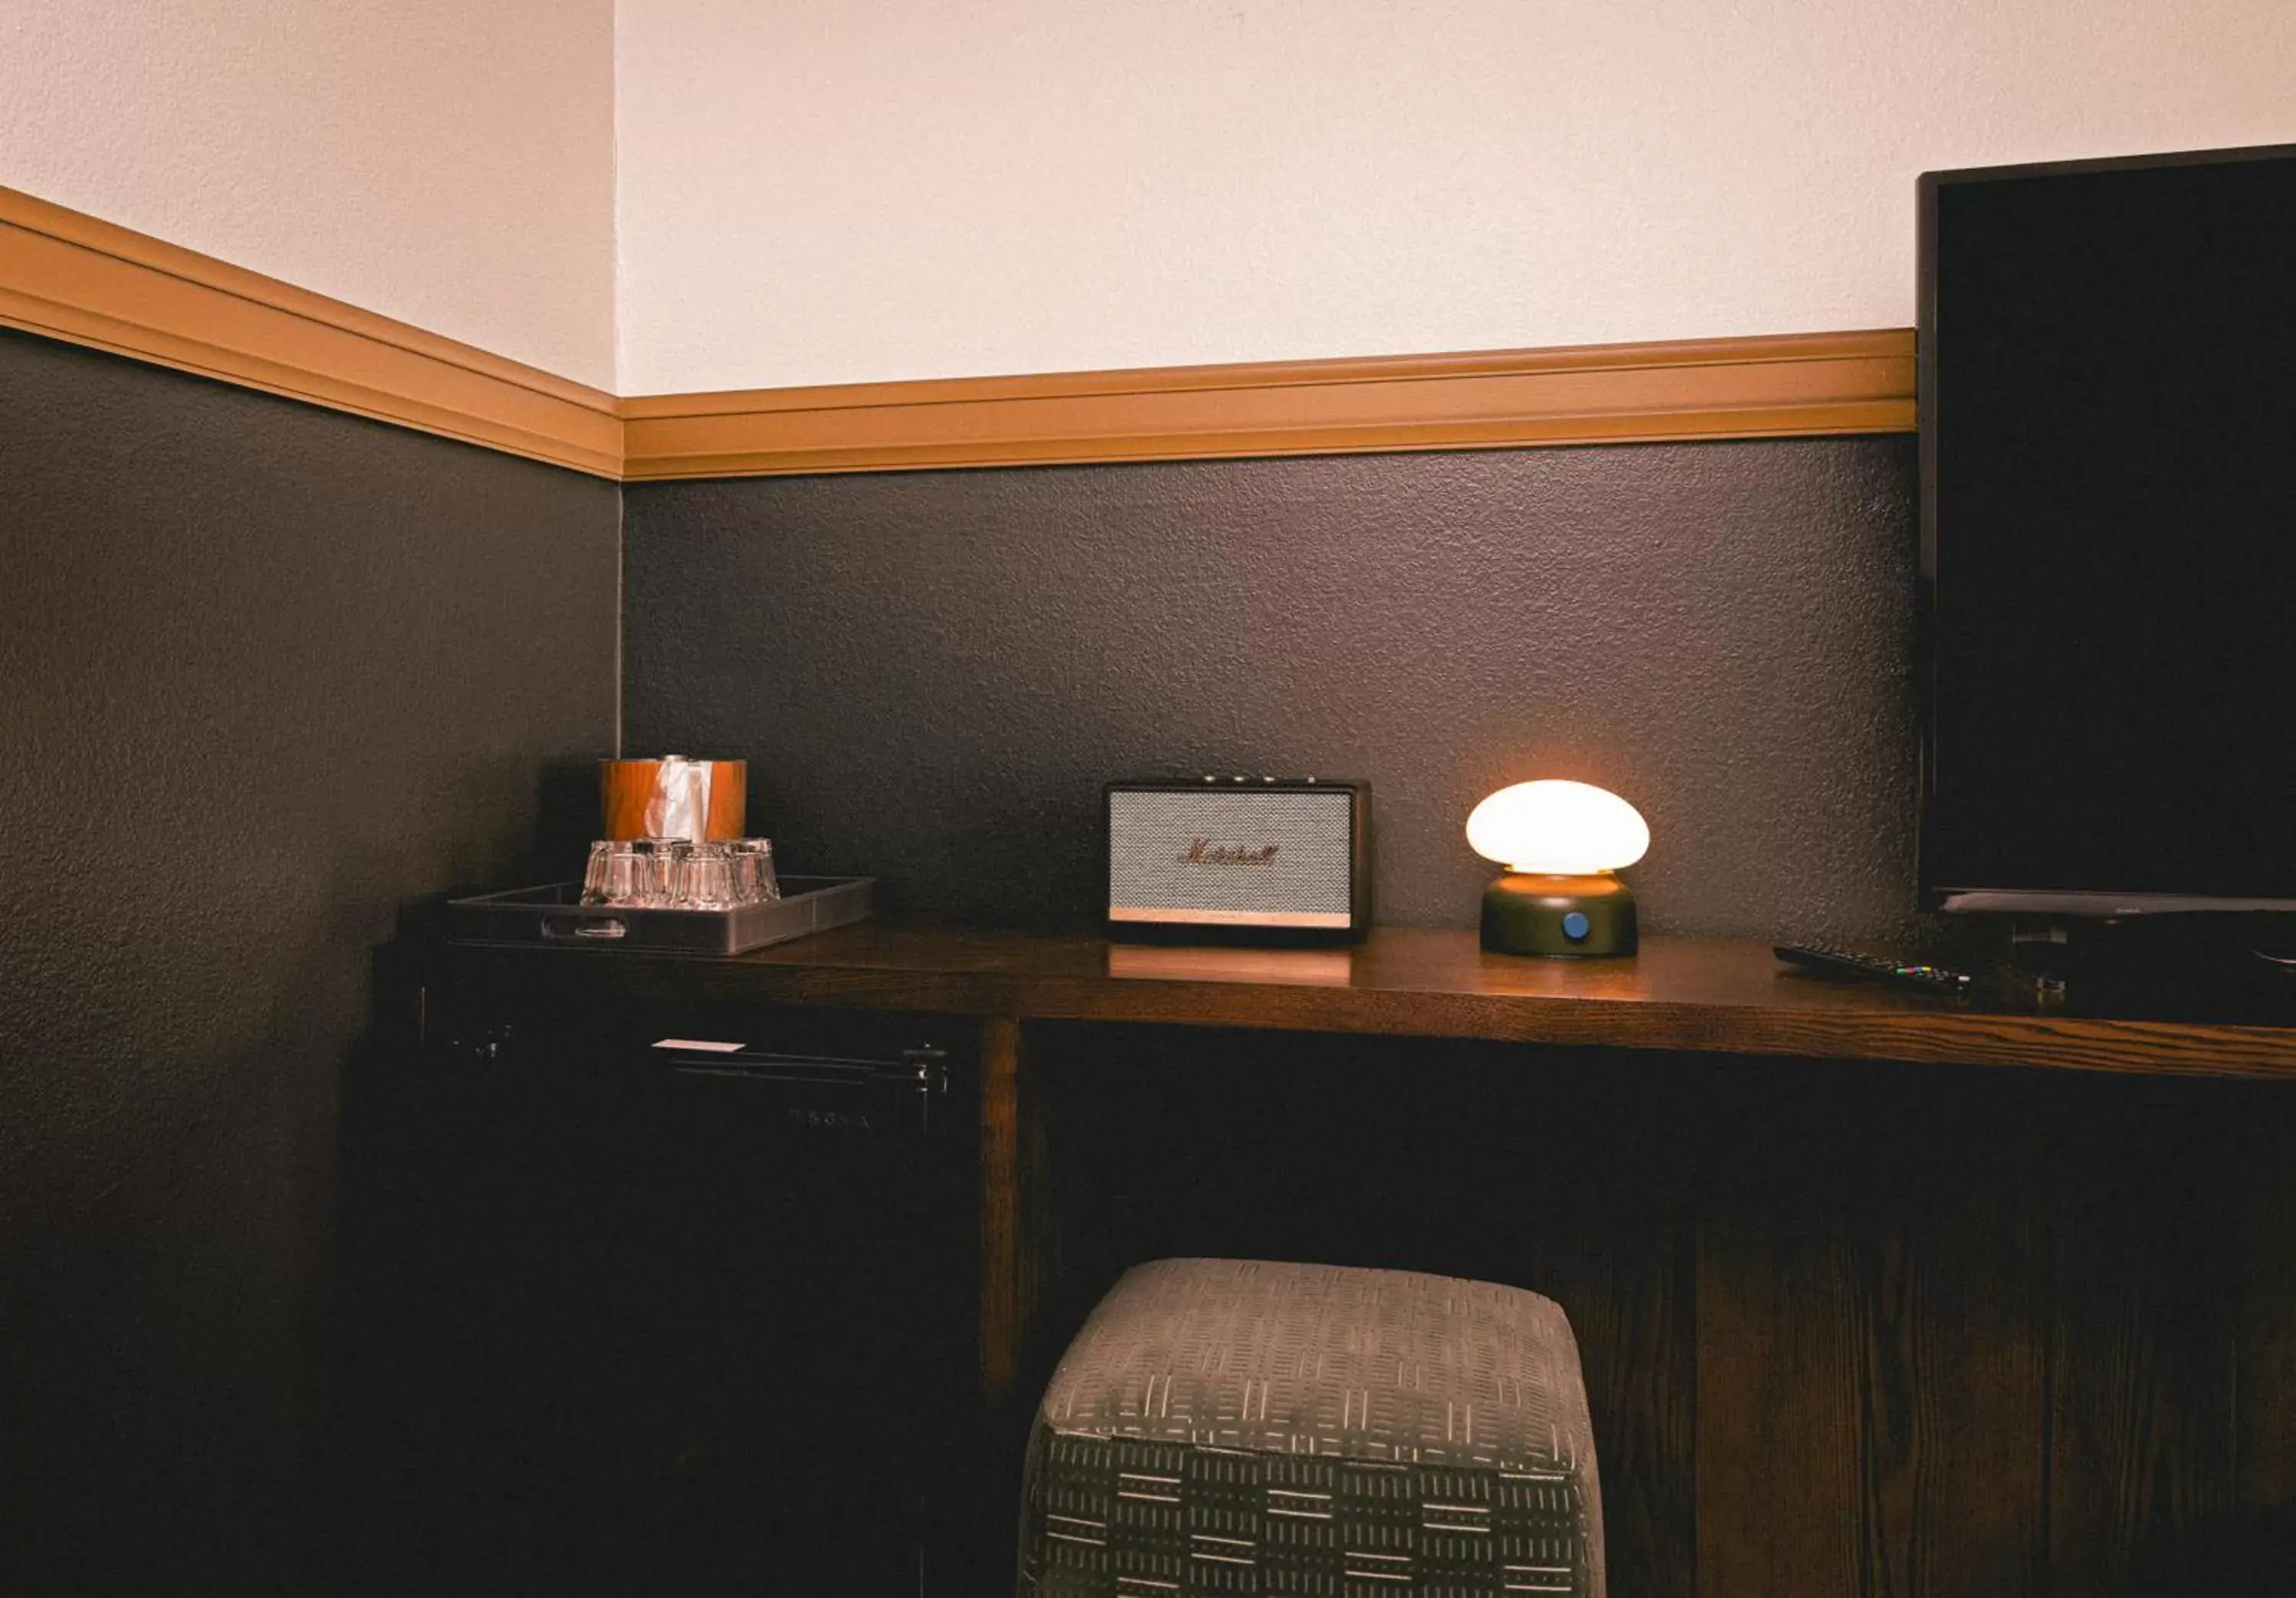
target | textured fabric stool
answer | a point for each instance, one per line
(1239, 1426)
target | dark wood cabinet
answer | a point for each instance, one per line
(1876, 1294)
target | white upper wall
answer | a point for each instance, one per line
(446, 162)
(824, 191)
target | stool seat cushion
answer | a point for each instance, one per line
(1246, 1426)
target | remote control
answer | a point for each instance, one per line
(1836, 961)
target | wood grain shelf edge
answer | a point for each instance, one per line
(1730, 1003)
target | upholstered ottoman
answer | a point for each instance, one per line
(1239, 1426)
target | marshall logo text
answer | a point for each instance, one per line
(1204, 851)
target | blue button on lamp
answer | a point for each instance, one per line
(1560, 842)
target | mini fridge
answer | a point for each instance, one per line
(662, 1300)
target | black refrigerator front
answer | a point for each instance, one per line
(680, 1306)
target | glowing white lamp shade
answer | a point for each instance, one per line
(1559, 842)
(1558, 828)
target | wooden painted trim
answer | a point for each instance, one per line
(75, 277)
(1791, 385)
(72, 276)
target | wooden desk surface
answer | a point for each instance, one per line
(1791, 1314)
(1722, 996)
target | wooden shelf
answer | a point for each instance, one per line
(1727, 997)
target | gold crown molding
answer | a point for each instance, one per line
(71, 277)
(1791, 385)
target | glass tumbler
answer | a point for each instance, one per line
(617, 873)
(754, 881)
(661, 858)
(705, 877)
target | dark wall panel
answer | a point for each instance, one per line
(932, 673)
(270, 672)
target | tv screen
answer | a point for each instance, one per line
(2108, 415)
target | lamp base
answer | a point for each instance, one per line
(1528, 914)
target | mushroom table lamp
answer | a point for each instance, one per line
(1559, 842)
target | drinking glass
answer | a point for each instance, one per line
(661, 858)
(617, 873)
(705, 877)
(754, 881)
(593, 874)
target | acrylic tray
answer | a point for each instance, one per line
(555, 914)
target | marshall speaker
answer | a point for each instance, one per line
(1258, 859)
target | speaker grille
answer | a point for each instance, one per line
(1278, 858)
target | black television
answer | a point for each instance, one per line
(2107, 358)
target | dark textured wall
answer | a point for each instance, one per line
(270, 673)
(931, 674)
